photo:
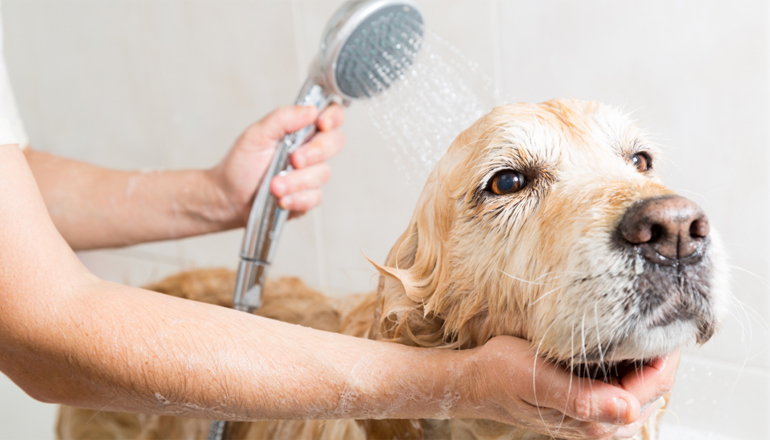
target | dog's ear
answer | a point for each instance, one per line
(413, 276)
(416, 296)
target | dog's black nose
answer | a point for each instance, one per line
(669, 229)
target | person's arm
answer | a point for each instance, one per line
(69, 337)
(95, 207)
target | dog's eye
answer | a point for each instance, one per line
(641, 161)
(507, 182)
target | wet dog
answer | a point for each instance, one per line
(544, 221)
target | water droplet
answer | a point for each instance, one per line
(441, 94)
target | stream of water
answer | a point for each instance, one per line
(422, 112)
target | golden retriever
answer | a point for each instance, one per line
(543, 221)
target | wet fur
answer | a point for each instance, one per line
(541, 264)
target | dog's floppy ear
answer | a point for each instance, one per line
(413, 274)
(415, 293)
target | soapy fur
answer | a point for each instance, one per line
(539, 264)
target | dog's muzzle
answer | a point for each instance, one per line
(669, 236)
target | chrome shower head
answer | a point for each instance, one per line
(369, 44)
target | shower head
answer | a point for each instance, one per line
(366, 47)
(369, 44)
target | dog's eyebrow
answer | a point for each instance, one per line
(509, 155)
(631, 141)
(534, 166)
(632, 146)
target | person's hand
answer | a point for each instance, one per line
(242, 170)
(514, 386)
(649, 386)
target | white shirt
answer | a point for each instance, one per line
(11, 128)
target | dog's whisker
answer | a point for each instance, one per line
(546, 294)
(520, 279)
(599, 342)
(585, 353)
(745, 309)
(759, 277)
(534, 379)
(571, 375)
(747, 333)
(562, 273)
(532, 303)
(612, 356)
(740, 308)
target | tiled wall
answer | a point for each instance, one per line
(170, 84)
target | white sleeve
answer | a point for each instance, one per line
(11, 128)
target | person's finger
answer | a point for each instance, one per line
(652, 381)
(331, 118)
(323, 146)
(301, 202)
(300, 180)
(628, 431)
(580, 398)
(280, 122)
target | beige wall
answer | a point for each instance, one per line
(170, 84)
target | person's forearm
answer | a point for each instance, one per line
(94, 207)
(159, 354)
(68, 337)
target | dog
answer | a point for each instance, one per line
(544, 221)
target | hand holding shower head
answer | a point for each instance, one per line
(367, 45)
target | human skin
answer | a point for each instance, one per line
(68, 337)
(94, 207)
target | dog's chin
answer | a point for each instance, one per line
(656, 341)
(641, 348)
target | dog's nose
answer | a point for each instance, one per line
(668, 229)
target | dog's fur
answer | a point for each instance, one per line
(542, 264)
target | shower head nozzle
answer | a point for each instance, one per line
(368, 45)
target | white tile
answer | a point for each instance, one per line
(465, 24)
(719, 399)
(678, 432)
(129, 268)
(22, 417)
(148, 84)
(310, 18)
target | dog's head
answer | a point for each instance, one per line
(549, 222)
